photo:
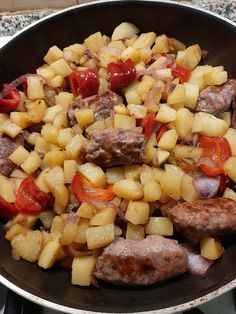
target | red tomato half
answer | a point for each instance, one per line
(12, 99)
(7, 210)
(183, 73)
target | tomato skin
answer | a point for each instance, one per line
(30, 199)
(149, 124)
(7, 210)
(11, 101)
(121, 74)
(218, 151)
(183, 73)
(86, 80)
(84, 191)
(161, 131)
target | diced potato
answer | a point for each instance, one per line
(166, 114)
(132, 96)
(132, 172)
(57, 224)
(121, 110)
(144, 40)
(168, 140)
(184, 121)
(188, 191)
(211, 248)
(228, 193)
(144, 86)
(21, 119)
(10, 128)
(157, 173)
(46, 72)
(103, 217)
(18, 174)
(25, 220)
(164, 74)
(54, 158)
(64, 99)
(61, 67)
(137, 212)
(134, 232)
(70, 168)
(50, 133)
(80, 236)
(176, 45)
(178, 95)
(137, 111)
(117, 44)
(215, 78)
(171, 185)
(34, 87)
(174, 169)
(40, 181)
(124, 30)
(227, 117)
(230, 168)
(41, 146)
(231, 138)
(53, 54)
(27, 245)
(36, 110)
(93, 173)
(51, 113)
(58, 81)
(145, 55)
(6, 190)
(31, 163)
(19, 155)
(161, 45)
(64, 137)
(94, 42)
(84, 117)
(128, 189)
(192, 93)
(82, 269)
(162, 156)
(185, 151)
(189, 57)
(86, 210)
(145, 174)
(46, 217)
(68, 233)
(124, 122)
(100, 236)
(15, 230)
(207, 124)
(106, 55)
(49, 254)
(114, 174)
(74, 147)
(130, 53)
(160, 225)
(152, 191)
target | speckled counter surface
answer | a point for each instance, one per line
(11, 23)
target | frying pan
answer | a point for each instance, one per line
(23, 54)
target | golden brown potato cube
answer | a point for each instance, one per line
(50, 133)
(192, 93)
(40, 181)
(103, 217)
(114, 174)
(211, 248)
(93, 173)
(86, 210)
(94, 42)
(53, 54)
(231, 138)
(34, 87)
(137, 212)
(188, 191)
(46, 217)
(145, 174)
(61, 67)
(41, 146)
(228, 193)
(10, 128)
(16, 229)
(82, 269)
(152, 191)
(46, 71)
(128, 189)
(183, 122)
(64, 99)
(54, 158)
(137, 111)
(6, 190)
(166, 114)
(58, 81)
(161, 45)
(57, 224)
(80, 236)
(49, 254)
(190, 57)
(162, 156)
(51, 113)
(75, 146)
(31, 163)
(25, 220)
(130, 53)
(132, 96)
(100, 236)
(70, 168)
(84, 117)
(27, 245)
(19, 155)
(207, 124)
(178, 95)
(124, 30)
(132, 172)
(160, 225)
(21, 119)
(168, 140)
(215, 78)
(171, 185)
(135, 232)
(145, 40)
(64, 137)
(68, 233)
(124, 122)
(230, 168)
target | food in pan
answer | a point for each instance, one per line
(117, 159)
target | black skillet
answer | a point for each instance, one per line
(24, 54)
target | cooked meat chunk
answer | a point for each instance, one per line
(110, 147)
(103, 106)
(8, 146)
(204, 217)
(141, 262)
(49, 95)
(217, 99)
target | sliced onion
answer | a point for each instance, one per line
(169, 86)
(207, 187)
(102, 205)
(73, 218)
(195, 139)
(71, 251)
(205, 161)
(89, 54)
(197, 264)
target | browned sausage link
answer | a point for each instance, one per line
(204, 217)
(110, 147)
(8, 146)
(217, 99)
(103, 106)
(143, 262)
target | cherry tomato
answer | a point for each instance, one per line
(12, 99)
(7, 210)
(161, 131)
(149, 124)
(216, 151)
(87, 81)
(30, 199)
(183, 73)
(121, 74)
(84, 191)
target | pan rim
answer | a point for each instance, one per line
(62, 308)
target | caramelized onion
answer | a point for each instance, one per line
(207, 187)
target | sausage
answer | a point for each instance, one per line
(8, 146)
(204, 217)
(141, 262)
(110, 147)
(103, 106)
(217, 99)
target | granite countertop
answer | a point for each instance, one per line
(10, 23)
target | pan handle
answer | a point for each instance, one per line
(15, 304)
